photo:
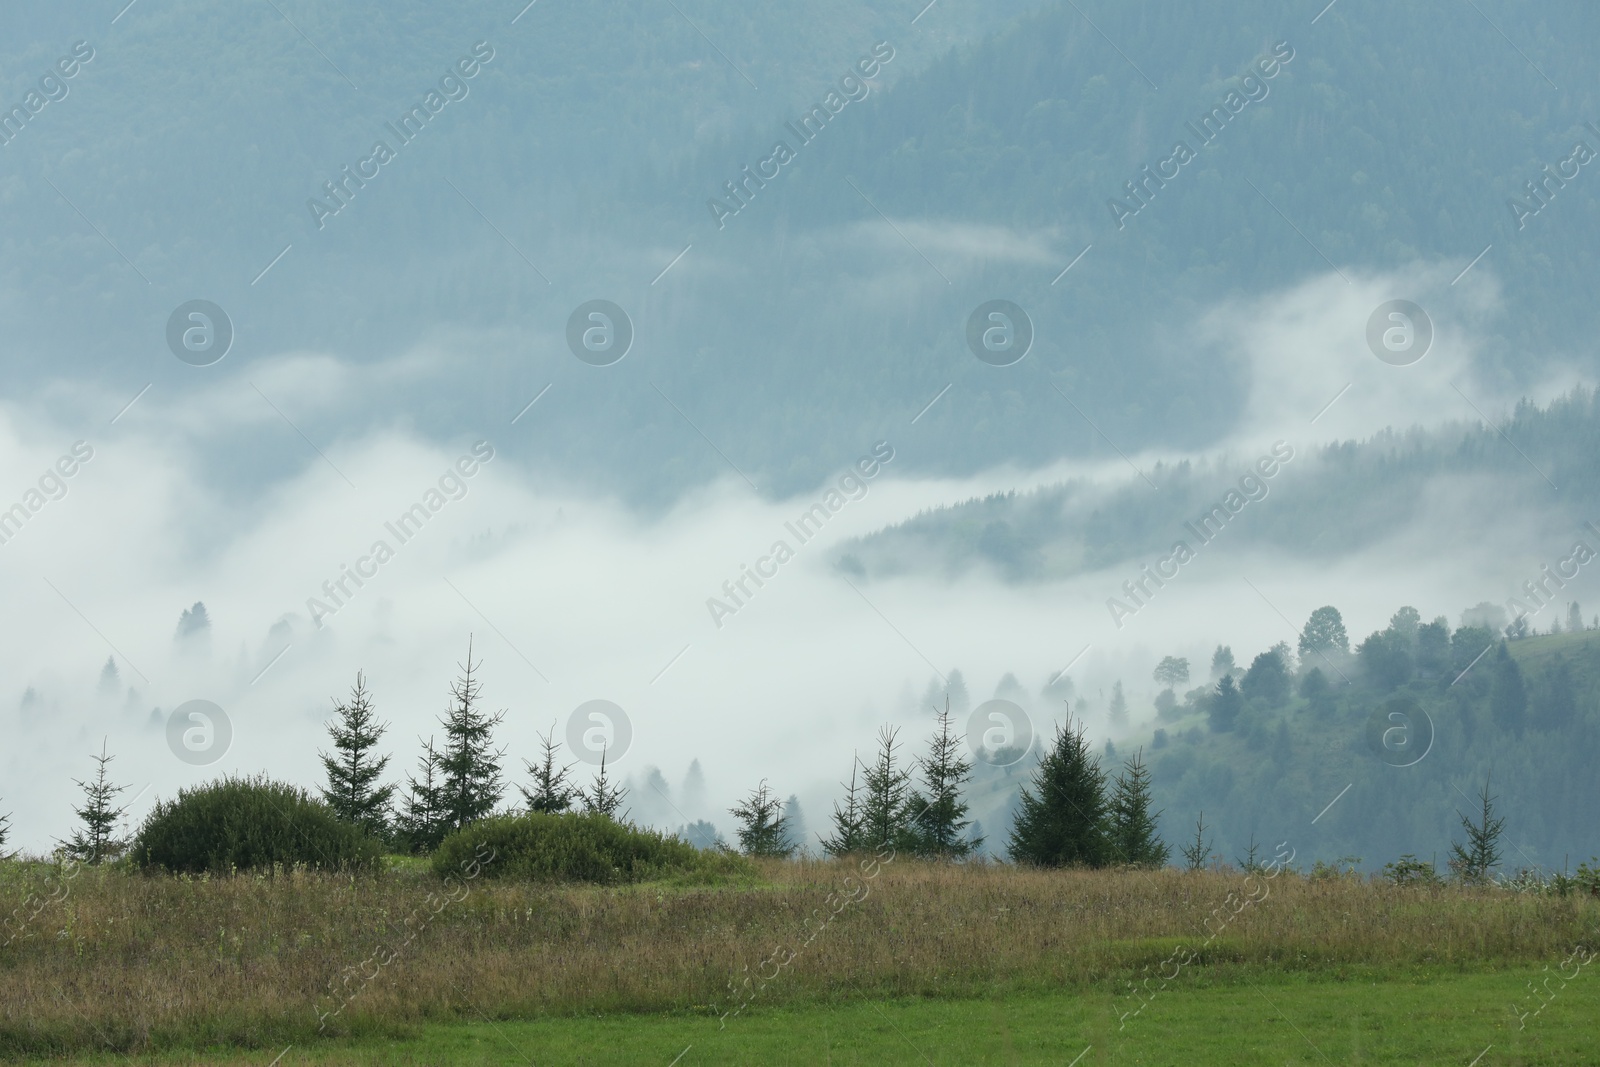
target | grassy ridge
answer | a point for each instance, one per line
(160, 962)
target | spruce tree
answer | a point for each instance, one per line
(5, 832)
(1063, 815)
(96, 842)
(352, 790)
(604, 797)
(1225, 704)
(1197, 852)
(422, 813)
(553, 792)
(763, 830)
(938, 818)
(1133, 827)
(884, 814)
(470, 764)
(1508, 696)
(849, 822)
(1481, 854)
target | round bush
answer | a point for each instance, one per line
(579, 848)
(242, 823)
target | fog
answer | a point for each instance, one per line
(570, 594)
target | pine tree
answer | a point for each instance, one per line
(470, 764)
(763, 831)
(109, 681)
(1226, 703)
(422, 814)
(1508, 696)
(1481, 855)
(849, 822)
(96, 842)
(1063, 819)
(939, 818)
(1133, 827)
(553, 792)
(5, 832)
(352, 790)
(884, 814)
(1198, 852)
(1119, 705)
(603, 797)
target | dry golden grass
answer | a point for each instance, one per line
(135, 962)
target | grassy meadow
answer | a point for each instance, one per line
(1018, 964)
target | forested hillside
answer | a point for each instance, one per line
(830, 308)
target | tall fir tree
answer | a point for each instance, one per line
(1225, 705)
(470, 764)
(1477, 859)
(938, 812)
(96, 841)
(884, 816)
(763, 830)
(849, 821)
(1508, 695)
(553, 792)
(353, 771)
(1134, 839)
(421, 820)
(604, 797)
(1062, 818)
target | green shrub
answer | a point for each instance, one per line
(580, 848)
(242, 823)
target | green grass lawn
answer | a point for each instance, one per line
(1219, 1017)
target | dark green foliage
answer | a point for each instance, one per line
(421, 822)
(1508, 696)
(938, 811)
(603, 797)
(1433, 647)
(1132, 825)
(849, 821)
(1477, 859)
(1324, 633)
(887, 785)
(762, 828)
(245, 823)
(1223, 707)
(1468, 644)
(1062, 818)
(1410, 871)
(353, 791)
(537, 847)
(1267, 679)
(553, 792)
(1558, 702)
(96, 841)
(1385, 659)
(469, 767)
(5, 832)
